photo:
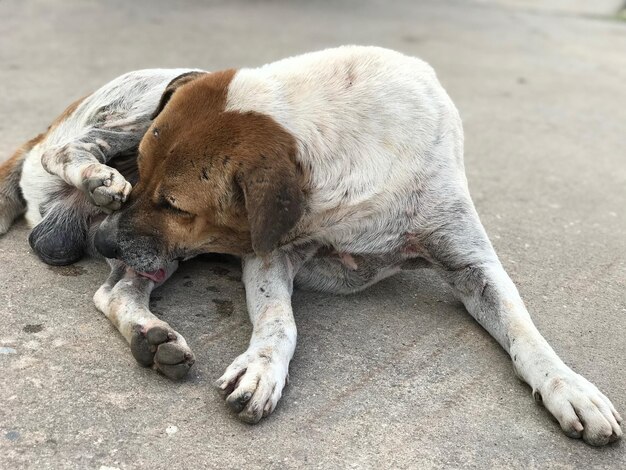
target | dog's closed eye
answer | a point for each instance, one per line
(167, 203)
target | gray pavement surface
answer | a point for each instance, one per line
(398, 376)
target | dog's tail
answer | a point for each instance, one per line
(12, 203)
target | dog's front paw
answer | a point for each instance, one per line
(156, 344)
(580, 408)
(253, 383)
(106, 187)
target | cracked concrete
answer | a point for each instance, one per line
(398, 376)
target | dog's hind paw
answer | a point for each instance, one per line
(156, 344)
(580, 408)
(106, 187)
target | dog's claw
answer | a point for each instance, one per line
(252, 386)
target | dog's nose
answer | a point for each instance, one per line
(106, 243)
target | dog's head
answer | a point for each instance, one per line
(210, 180)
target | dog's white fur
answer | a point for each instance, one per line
(107, 122)
(382, 144)
(366, 122)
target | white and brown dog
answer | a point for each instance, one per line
(330, 170)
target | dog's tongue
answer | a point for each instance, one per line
(156, 276)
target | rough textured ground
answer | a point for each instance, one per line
(399, 376)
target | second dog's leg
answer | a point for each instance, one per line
(124, 300)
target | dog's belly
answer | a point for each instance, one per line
(399, 259)
(345, 273)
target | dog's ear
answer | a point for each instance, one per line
(273, 198)
(172, 87)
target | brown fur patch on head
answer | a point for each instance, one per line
(216, 180)
(172, 87)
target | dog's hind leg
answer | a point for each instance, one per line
(124, 300)
(12, 203)
(457, 244)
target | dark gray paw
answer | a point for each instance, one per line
(157, 345)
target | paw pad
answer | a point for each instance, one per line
(162, 348)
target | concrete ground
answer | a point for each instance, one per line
(398, 376)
